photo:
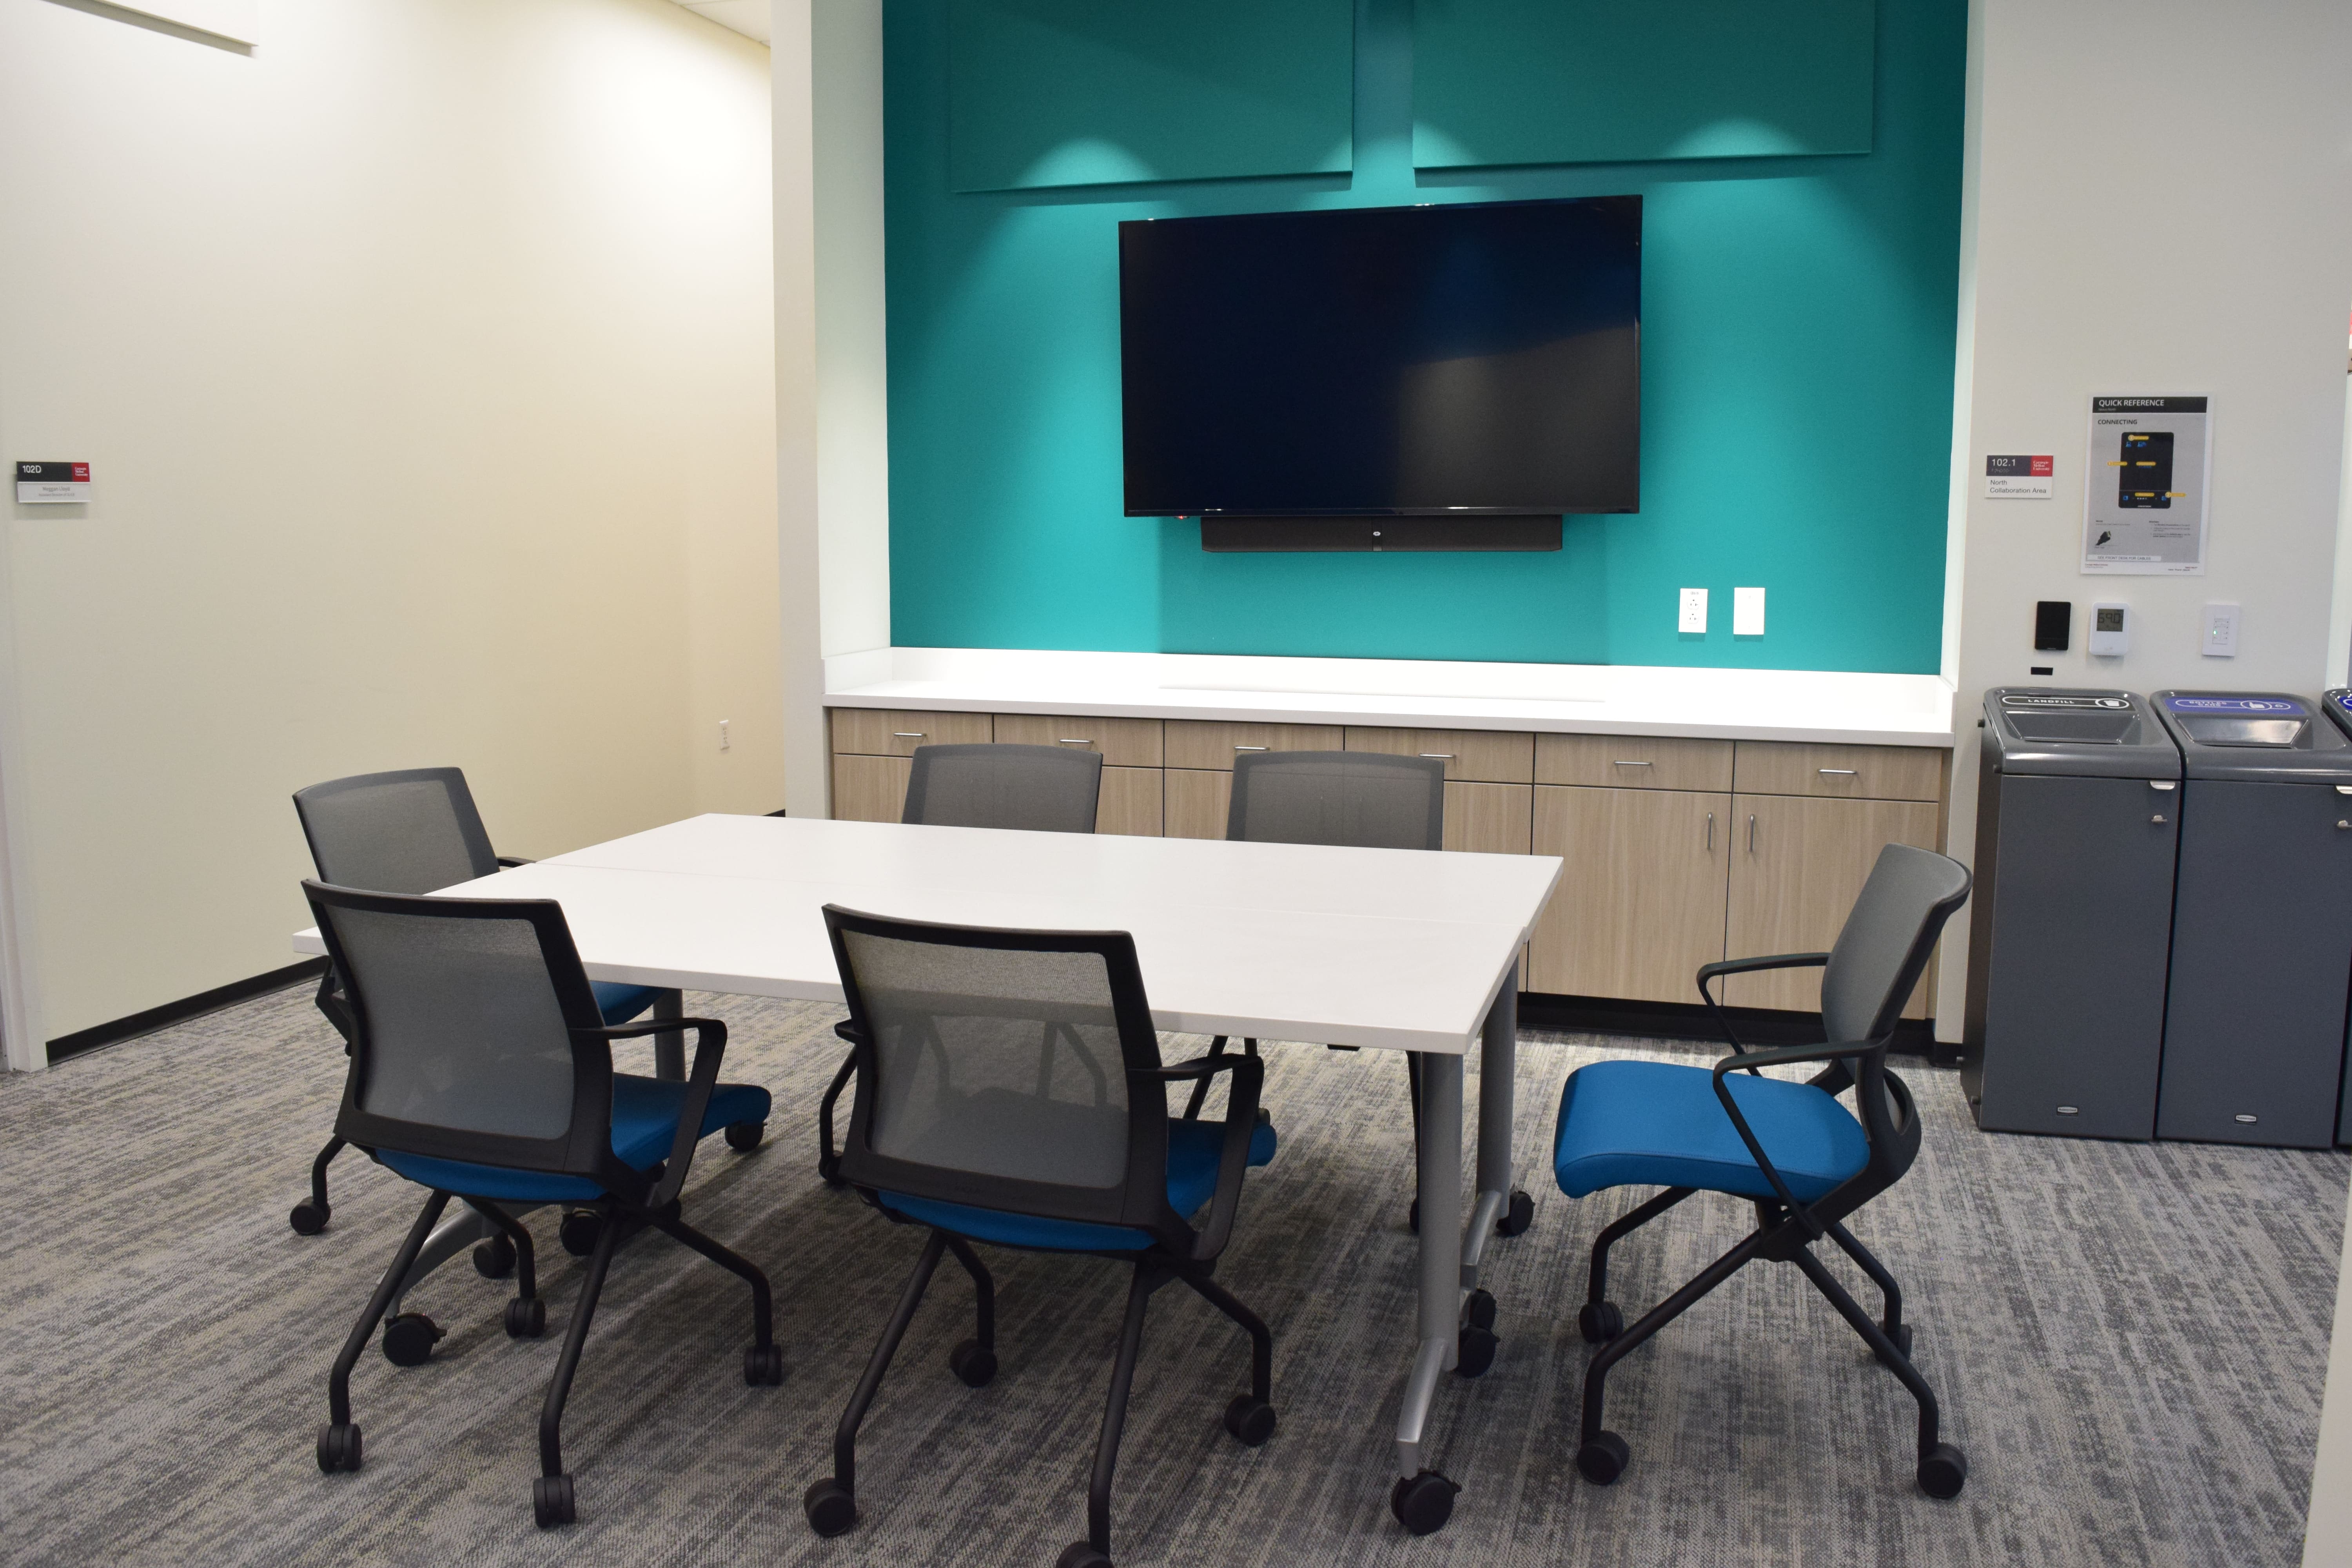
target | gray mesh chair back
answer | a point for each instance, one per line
(412, 831)
(1044, 789)
(465, 1012)
(1006, 1069)
(1884, 947)
(1366, 800)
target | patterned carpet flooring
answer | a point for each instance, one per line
(2129, 1339)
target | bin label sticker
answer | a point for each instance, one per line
(2232, 705)
(2018, 700)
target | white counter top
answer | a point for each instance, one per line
(1575, 699)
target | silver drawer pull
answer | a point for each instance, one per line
(1710, 833)
(1751, 833)
(1249, 748)
(906, 734)
(1074, 740)
(1438, 756)
(1622, 762)
(1837, 773)
(2168, 783)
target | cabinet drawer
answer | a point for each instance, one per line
(1123, 743)
(1633, 762)
(1194, 802)
(1492, 756)
(1489, 818)
(1645, 906)
(1209, 743)
(877, 732)
(1129, 803)
(1853, 772)
(870, 789)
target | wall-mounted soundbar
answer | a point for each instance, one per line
(1264, 534)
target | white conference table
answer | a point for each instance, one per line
(1390, 949)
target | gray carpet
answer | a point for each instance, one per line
(2129, 1339)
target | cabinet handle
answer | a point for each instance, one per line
(1710, 833)
(1621, 763)
(1249, 748)
(1751, 833)
(2168, 783)
(906, 734)
(1440, 756)
(1840, 772)
(1069, 740)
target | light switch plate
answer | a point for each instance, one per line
(2220, 640)
(1747, 611)
(1693, 611)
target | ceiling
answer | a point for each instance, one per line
(749, 17)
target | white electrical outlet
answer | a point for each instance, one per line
(1693, 611)
(2221, 639)
(1747, 611)
(724, 742)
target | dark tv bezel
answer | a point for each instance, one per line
(1532, 510)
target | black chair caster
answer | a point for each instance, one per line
(578, 1231)
(1423, 1503)
(744, 1136)
(550, 1501)
(975, 1365)
(409, 1338)
(1473, 1353)
(763, 1365)
(309, 1218)
(526, 1319)
(494, 1259)
(1943, 1469)
(1600, 1322)
(1519, 1213)
(831, 1509)
(1479, 1310)
(1901, 1334)
(1603, 1459)
(1081, 1555)
(338, 1448)
(1250, 1419)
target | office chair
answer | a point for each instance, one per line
(1041, 789)
(1009, 1091)
(1363, 800)
(1791, 1149)
(482, 1069)
(414, 831)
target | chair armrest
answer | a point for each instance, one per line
(847, 1029)
(510, 861)
(709, 1046)
(1778, 961)
(1751, 1061)
(1233, 1154)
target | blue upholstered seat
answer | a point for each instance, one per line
(1192, 1150)
(620, 1003)
(644, 1124)
(1654, 1124)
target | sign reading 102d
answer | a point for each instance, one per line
(52, 484)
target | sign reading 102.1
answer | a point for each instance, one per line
(52, 484)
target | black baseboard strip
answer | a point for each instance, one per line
(1692, 1021)
(185, 1008)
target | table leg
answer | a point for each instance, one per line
(670, 1046)
(1497, 1078)
(1441, 1250)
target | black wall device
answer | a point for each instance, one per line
(2054, 620)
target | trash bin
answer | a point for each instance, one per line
(2261, 921)
(2338, 703)
(2077, 823)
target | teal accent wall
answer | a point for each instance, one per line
(1083, 92)
(1799, 322)
(1749, 79)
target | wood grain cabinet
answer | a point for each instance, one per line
(1797, 866)
(879, 733)
(1211, 744)
(1633, 762)
(1129, 803)
(870, 789)
(1196, 801)
(1490, 756)
(1641, 904)
(1123, 743)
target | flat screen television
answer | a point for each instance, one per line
(1459, 360)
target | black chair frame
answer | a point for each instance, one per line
(1786, 1229)
(1178, 1253)
(635, 1200)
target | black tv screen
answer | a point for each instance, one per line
(1465, 358)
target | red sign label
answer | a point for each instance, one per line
(81, 473)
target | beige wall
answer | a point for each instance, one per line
(426, 359)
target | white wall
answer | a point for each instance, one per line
(2158, 200)
(426, 360)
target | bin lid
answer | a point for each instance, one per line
(2078, 733)
(2266, 737)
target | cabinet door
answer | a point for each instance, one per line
(880, 732)
(870, 789)
(1129, 802)
(1124, 743)
(1798, 864)
(1195, 802)
(1640, 905)
(1489, 819)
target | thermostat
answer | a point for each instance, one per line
(2110, 630)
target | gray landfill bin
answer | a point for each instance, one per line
(2077, 823)
(2338, 703)
(2261, 921)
